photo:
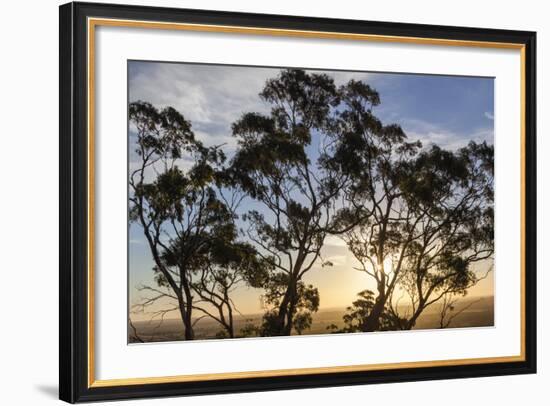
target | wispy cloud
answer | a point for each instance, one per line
(429, 133)
(211, 97)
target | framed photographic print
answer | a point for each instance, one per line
(256, 202)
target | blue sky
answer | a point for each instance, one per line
(447, 110)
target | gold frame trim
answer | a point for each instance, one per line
(94, 22)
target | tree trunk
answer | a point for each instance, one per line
(283, 321)
(290, 314)
(412, 321)
(189, 334)
(372, 322)
(285, 317)
(230, 327)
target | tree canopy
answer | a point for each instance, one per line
(417, 219)
(189, 228)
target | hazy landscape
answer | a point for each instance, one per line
(479, 313)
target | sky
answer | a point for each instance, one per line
(447, 110)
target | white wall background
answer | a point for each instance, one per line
(29, 203)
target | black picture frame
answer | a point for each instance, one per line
(73, 255)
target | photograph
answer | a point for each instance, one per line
(253, 201)
(285, 201)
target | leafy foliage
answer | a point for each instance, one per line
(358, 315)
(428, 212)
(190, 230)
(298, 195)
(306, 304)
(417, 218)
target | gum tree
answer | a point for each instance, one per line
(189, 229)
(425, 215)
(282, 164)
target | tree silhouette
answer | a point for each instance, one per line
(307, 303)
(358, 313)
(426, 215)
(457, 231)
(284, 162)
(190, 231)
(418, 220)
